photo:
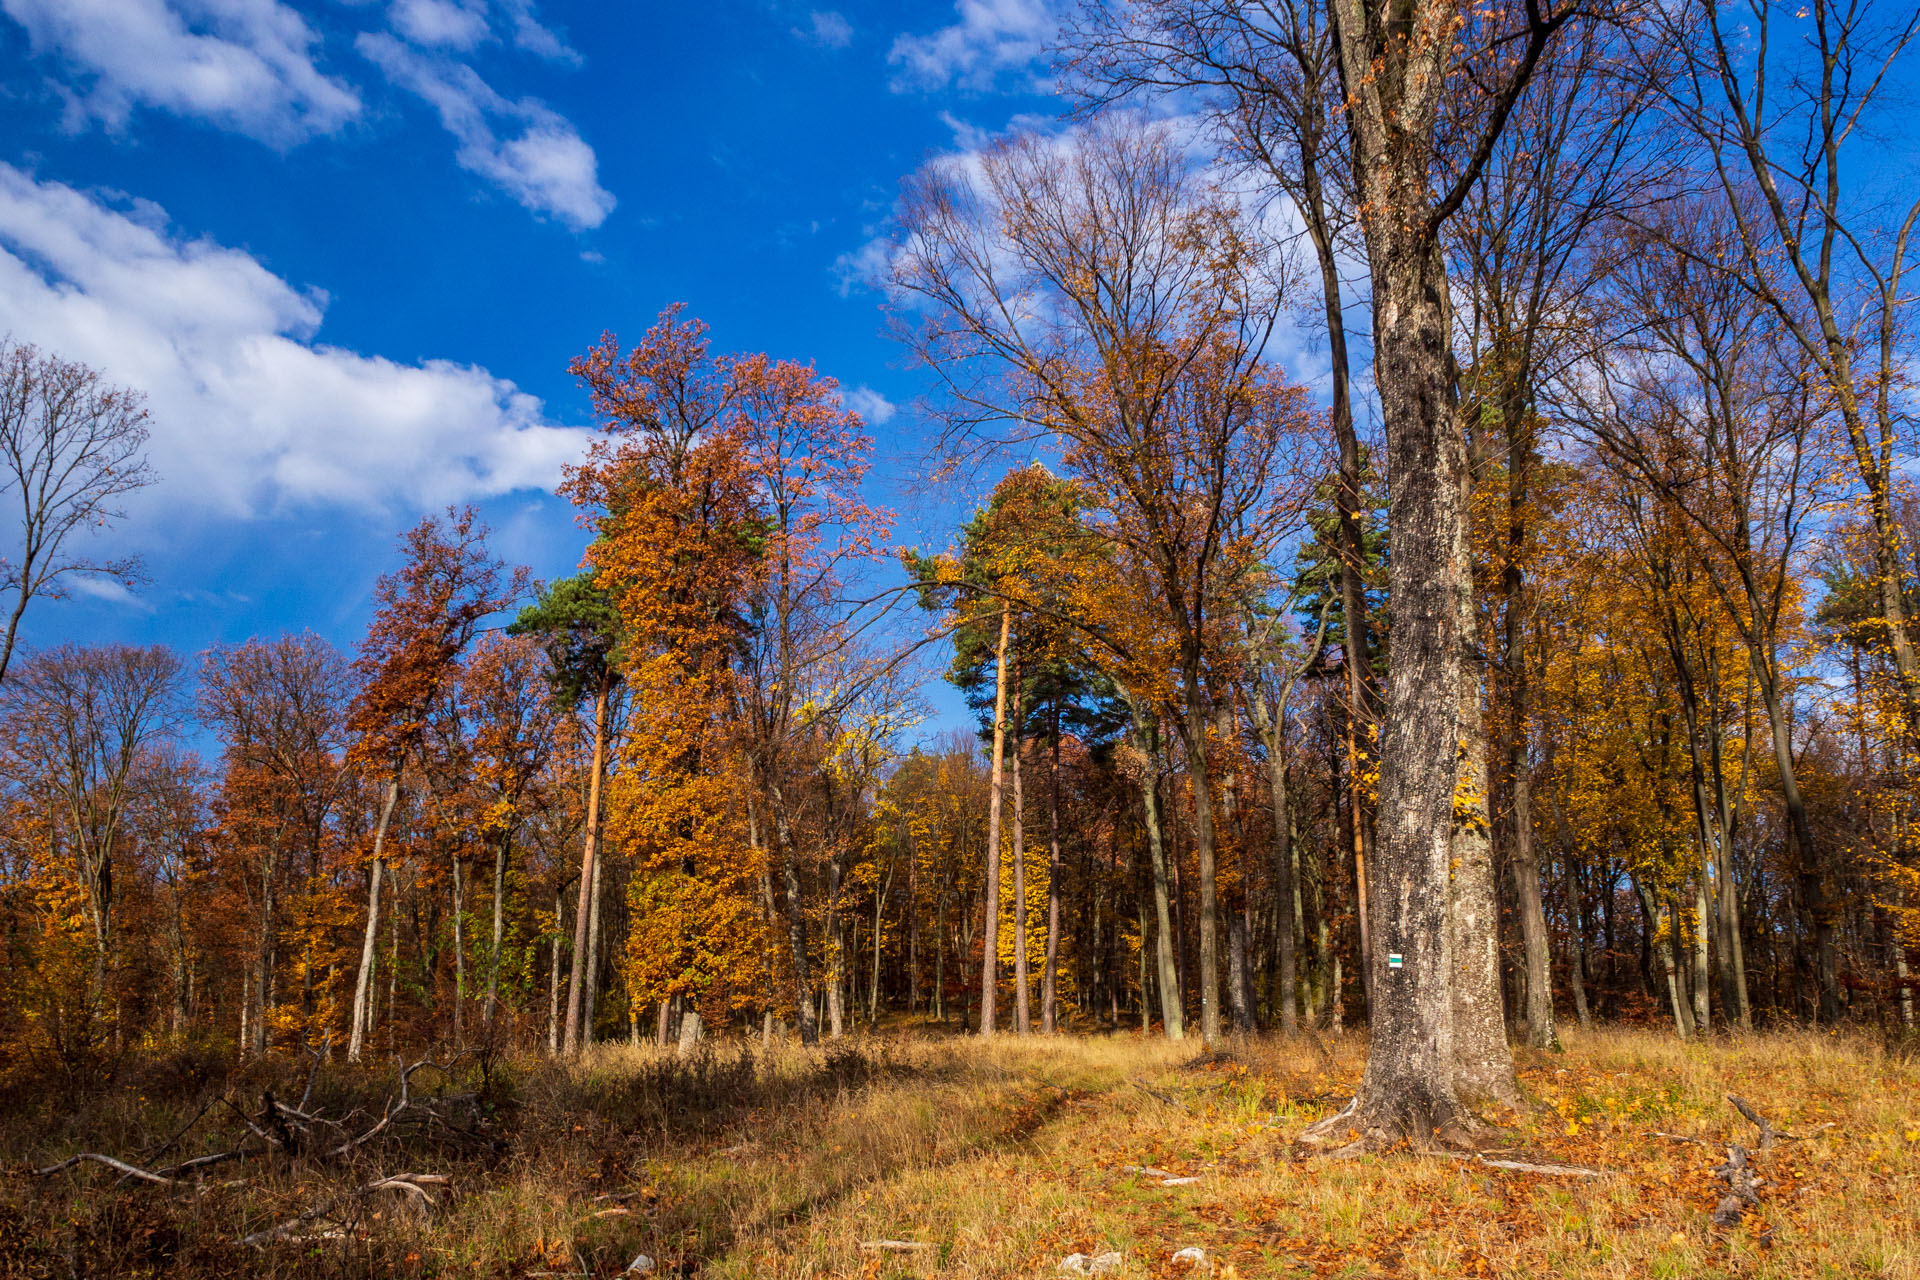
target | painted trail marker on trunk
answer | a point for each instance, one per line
(1394, 960)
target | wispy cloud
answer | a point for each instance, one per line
(534, 36)
(243, 65)
(826, 28)
(249, 410)
(988, 39)
(542, 161)
(451, 24)
(872, 407)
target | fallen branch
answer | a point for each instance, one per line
(1768, 1134)
(119, 1166)
(1545, 1170)
(1678, 1137)
(894, 1246)
(415, 1185)
(1148, 1089)
(1742, 1187)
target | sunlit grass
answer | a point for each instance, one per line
(1004, 1157)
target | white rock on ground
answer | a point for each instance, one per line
(1079, 1264)
(1193, 1255)
(640, 1266)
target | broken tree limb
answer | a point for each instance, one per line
(119, 1166)
(414, 1185)
(1768, 1134)
(1760, 1122)
(1742, 1187)
(1545, 1170)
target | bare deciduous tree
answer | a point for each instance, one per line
(70, 448)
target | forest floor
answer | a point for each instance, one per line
(996, 1160)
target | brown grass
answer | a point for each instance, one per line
(1004, 1158)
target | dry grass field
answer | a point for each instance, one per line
(976, 1161)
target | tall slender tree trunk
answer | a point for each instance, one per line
(362, 1015)
(1050, 978)
(1199, 777)
(796, 925)
(1656, 917)
(1022, 999)
(989, 951)
(1172, 1015)
(1518, 675)
(590, 1004)
(583, 912)
(1286, 891)
(1811, 874)
(1703, 922)
(553, 978)
(502, 850)
(459, 948)
(263, 958)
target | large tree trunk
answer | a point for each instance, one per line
(1409, 1084)
(1199, 777)
(989, 952)
(582, 951)
(1483, 1062)
(362, 1016)
(1395, 64)
(1172, 1016)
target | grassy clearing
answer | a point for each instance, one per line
(1004, 1158)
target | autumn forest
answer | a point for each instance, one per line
(1434, 576)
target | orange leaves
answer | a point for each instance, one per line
(427, 611)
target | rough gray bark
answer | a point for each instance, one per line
(1483, 1062)
(1172, 1016)
(1395, 64)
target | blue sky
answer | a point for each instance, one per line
(347, 247)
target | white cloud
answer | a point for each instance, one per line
(440, 22)
(547, 167)
(244, 65)
(95, 587)
(530, 34)
(827, 28)
(868, 267)
(989, 38)
(872, 407)
(249, 412)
